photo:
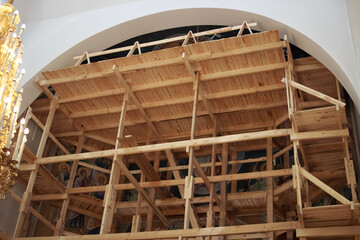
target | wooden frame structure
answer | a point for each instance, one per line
(214, 98)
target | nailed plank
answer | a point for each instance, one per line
(319, 134)
(323, 186)
(164, 146)
(214, 231)
(328, 231)
(173, 39)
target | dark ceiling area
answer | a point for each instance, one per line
(173, 32)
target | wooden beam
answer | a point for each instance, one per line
(23, 210)
(44, 89)
(198, 232)
(198, 200)
(244, 26)
(143, 163)
(280, 120)
(134, 47)
(173, 39)
(43, 171)
(309, 67)
(223, 187)
(110, 193)
(27, 167)
(91, 166)
(326, 232)
(243, 71)
(136, 101)
(239, 108)
(82, 58)
(323, 186)
(46, 129)
(145, 166)
(210, 218)
(170, 145)
(198, 180)
(269, 186)
(136, 222)
(187, 38)
(139, 188)
(168, 83)
(77, 209)
(41, 218)
(195, 75)
(319, 134)
(150, 213)
(49, 197)
(177, 175)
(52, 137)
(189, 184)
(65, 205)
(205, 77)
(316, 93)
(53, 180)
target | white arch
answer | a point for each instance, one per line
(58, 30)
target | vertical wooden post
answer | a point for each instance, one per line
(234, 171)
(210, 213)
(23, 210)
(349, 167)
(289, 217)
(136, 222)
(150, 215)
(110, 193)
(297, 182)
(62, 218)
(269, 186)
(187, 195)
(223, 190)
(233, 184)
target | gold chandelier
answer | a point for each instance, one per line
(10, 60)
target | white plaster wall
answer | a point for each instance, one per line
(59, 30)
(9, 211)
(353, 7)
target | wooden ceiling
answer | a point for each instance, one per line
(240, 84)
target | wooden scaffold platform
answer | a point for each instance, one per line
(219, 139)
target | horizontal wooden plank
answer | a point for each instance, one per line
(309, 67)
(27, 167)
(174, 101)
(164, 146)
(197, 232)
(42, 218)
(319, 134)
(328, 232)
(323, 186)
(158, 118)
(316, 93)
(203, 77)
(176, 182)
(168, 40)
(49, 197)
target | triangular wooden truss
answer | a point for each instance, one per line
(244, 25)
(132, 50)
(187, 38)
(82, 58)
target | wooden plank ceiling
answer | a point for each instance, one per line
(243, 90)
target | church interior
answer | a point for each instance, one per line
(199, 132)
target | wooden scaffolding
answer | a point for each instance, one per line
(211, 98)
